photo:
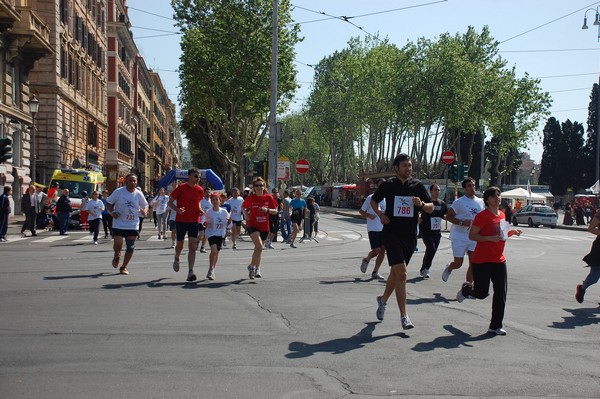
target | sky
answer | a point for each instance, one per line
(540, 37)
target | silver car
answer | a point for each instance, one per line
(535, 215)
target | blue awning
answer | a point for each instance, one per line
(182, 174)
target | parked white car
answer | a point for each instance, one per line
(535, 215)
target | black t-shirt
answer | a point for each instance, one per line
(439, 210)
(400, 210)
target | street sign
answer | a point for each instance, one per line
(448, 157)
(302, 166)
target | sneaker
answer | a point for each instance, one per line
(173, 244)
(267, 243)
(270, 246)
(191, 276)
(257, 273)
(211, 274)
(497, 331)
(579, 293)
(364, 264)
(115, 261)
(176, 265)
(380, 308)
(460, 296)
(95, 242)
(446, 272)
(406, 324)
(293, 246)
(159, 236)
(123, 270)
(234, 246)
(425, 273)
(377, 276)
(202, 250)
(224, 244)
(251, 271)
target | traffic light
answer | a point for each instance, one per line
(464, 171)
(453, 173)
(5, 149)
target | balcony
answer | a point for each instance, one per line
(34, 32)
(8, 14)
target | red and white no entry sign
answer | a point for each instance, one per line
(448, 157)
(302, 166)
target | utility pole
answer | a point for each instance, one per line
(273, 113)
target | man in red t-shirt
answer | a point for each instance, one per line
(256, 208)
(188, 196)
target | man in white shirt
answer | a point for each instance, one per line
(461, 214)
(235, 202)
(126, 204)
(374, 229)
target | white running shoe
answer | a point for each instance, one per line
(251, 271)
(211, 274)
(406, 324)
(380, 308)
(497, 331)
(257, 273)
(446, 273)
(425, 273)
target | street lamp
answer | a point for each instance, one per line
(597, 23)
(34, 106)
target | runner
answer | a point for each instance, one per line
(374, 229)
(126, 204)
(490, 230)
(431, 229)
(188, 196)
(236, 215)
(298, 205)
(592, 259)
(286, 217)
(205, 205)
(160, 205)
(95, 208)
(256, 209)
(172, 226)
(216, 229)
(273, 221)
(403, 196)
(461, 214)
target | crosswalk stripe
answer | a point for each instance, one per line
(51, 239)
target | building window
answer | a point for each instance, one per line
(125, 144)
(92, 136)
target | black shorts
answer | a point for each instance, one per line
(297, 216)
(399, 247)
(215, 240)
(237, 222)
(201, 227)
(125, 233)
(274, 224)
(376, 239)
(183, 228)
(171, 225)
(263, 234)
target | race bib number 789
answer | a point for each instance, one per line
(403, 206)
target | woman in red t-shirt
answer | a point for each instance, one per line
(490, 230)
(257, 207)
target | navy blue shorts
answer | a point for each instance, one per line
(125, 233)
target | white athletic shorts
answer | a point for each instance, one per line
(461, 247)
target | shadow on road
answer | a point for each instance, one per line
(183, 284)
(580, 317)
(97, 275)
(437, 298)
(454, 341)
(354, 280)
(338, 345)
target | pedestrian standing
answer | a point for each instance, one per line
(592, 259)
(41, 200)
(286, 217)
(159, 203)
(404, 196)
(257, 207)
(298, 205)
(64, 209)
(94, 208)
(217, 219)
(107, 218)
(28, 205)
(235, 202)
(461, 214)
(431, 229)
(188, 196)
(490, 230)
(375, 232)
(5, 211)
(126, 204)
(83, 214)
(274, 221)
(317, 217)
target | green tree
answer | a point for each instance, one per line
(552, 135)
(225, 74)
(589, 156)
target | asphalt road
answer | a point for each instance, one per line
(73, 328)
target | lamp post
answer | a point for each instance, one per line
(597, 23)
(34, 105)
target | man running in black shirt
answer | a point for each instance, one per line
(403, 196)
